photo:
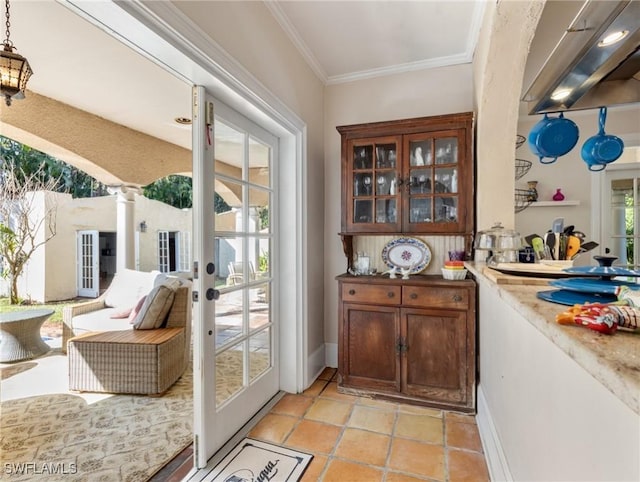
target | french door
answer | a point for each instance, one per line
(235, 328)
(88, 263)
(620, 216)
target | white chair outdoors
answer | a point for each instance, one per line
(236, 272)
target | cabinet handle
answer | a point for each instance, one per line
(413, 296)
(390, 294)
(457, 298)
(352, 292)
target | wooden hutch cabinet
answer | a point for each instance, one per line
(409, 176)
(408, 340)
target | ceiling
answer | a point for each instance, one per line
(78, 64)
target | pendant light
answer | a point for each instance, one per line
(14, 68)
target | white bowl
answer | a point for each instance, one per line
(454, 274)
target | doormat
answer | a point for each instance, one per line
(255, 461)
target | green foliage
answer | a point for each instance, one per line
(177, 191)
(29, 161)
(9, 243)
(263, 262)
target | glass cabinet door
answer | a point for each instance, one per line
(432, 189)
(373, 168)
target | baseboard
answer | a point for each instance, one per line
(331, 355)
(496, 459)
(315, 365)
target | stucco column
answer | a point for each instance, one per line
(125, 228)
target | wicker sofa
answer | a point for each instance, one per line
(109, 355)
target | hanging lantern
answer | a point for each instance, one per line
(14, 68)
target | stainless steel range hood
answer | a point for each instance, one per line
(589, 74)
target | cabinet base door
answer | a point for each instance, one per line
(369, 357)
(437, 362)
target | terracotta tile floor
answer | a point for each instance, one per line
(357, 439)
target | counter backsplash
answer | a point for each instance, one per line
(440, 246)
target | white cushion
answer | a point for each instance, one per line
(128, 286)
(156, 306)
(99, 321)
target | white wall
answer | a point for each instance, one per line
(445, 90)
(553, 420)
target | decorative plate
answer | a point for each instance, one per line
(404, 253)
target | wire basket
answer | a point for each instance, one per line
(519, 140)
(522, 200)
(522, 167)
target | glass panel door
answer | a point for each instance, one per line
(622, 198)
(236, 329)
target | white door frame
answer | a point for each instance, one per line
(89, 261)
(162, 34)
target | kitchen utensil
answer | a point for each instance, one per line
(601, 149)
(562, 246)
(553, 137)
(588, 246)
(557, 225)
(573, 246)
(530, 238)
(550, 242)
(569, 229)
(538, 247)
(570, 298)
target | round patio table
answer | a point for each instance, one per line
(20, 335)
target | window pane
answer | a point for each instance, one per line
(229, 373)
(228, 317)
(259, 211)
(259, 162)
(259, 255)
(229, 260)
(259, 353)
(229, 149)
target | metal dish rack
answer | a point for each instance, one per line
(522, 197)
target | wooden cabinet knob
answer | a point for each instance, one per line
(457, 298)
(352, 292)
(413, 296)
(390, 294)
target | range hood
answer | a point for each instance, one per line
(588, 73)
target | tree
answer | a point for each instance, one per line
(20, 221)
(30, 161)
(177, 191)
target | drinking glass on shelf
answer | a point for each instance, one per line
(367, 184)
(382, 181)
(422, 180)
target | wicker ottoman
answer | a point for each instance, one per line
(133, 361)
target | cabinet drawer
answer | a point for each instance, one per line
(455, 298)
(379, 294)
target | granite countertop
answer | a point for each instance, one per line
(613, 360)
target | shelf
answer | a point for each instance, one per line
(546, 204)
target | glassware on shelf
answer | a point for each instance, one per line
(532, 193)
(367, 185)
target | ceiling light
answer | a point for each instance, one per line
(613, 38)
(560, 94)
(183, 120)
(14, 68)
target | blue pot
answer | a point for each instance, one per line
(601, 149)
(553, 137)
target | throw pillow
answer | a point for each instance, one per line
(155, 309)
(136, 309)
(123, 313)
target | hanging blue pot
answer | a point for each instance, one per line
(601, 149)
(553, 137)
